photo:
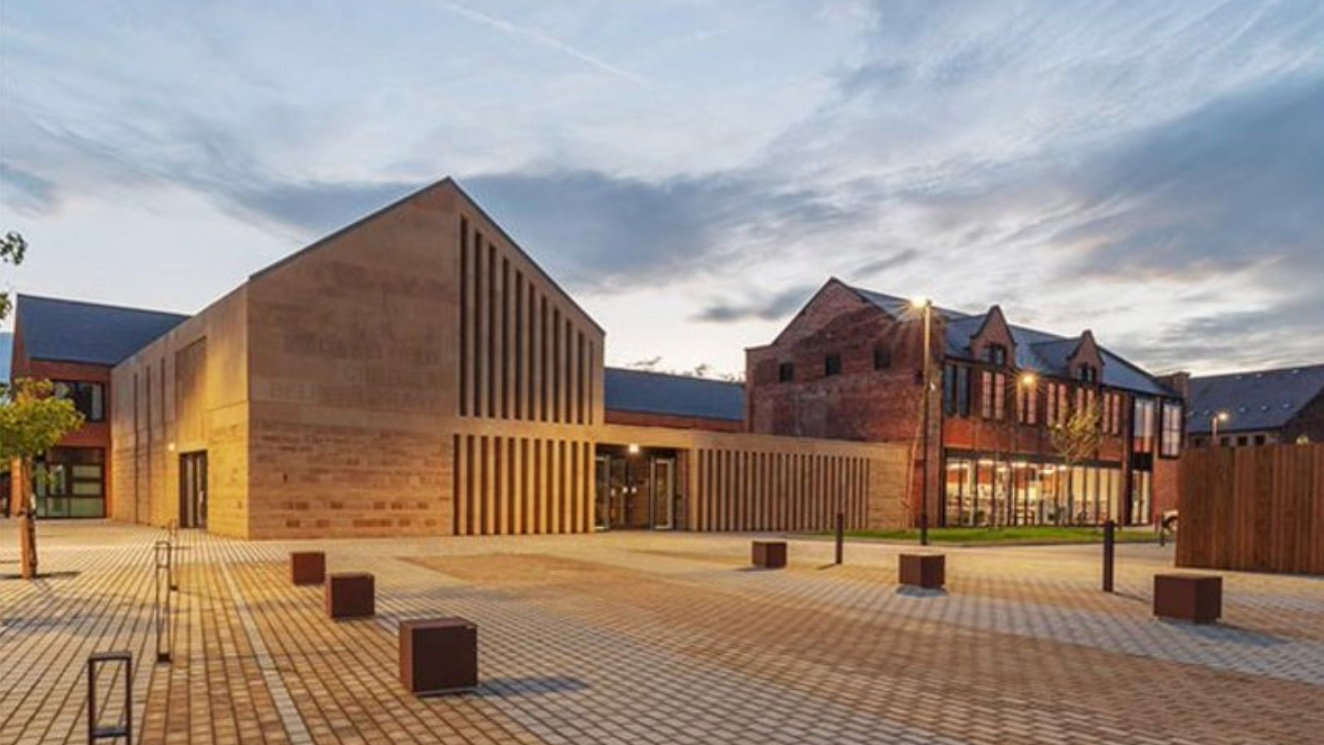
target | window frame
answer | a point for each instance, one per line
(71, 393)
(832, 365)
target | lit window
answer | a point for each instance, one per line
(1170, 440)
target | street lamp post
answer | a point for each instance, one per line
(1213, 421)
(1024, 406)
(926, 306)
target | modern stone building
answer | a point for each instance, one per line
(416, 373)
(850, 366)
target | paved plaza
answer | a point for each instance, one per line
(657, 638)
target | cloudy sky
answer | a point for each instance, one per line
(692, 171)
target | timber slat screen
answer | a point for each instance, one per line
(1253, 509)
(749, 490)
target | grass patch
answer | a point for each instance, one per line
(1026, 536)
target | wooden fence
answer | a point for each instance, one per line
(1253, 509)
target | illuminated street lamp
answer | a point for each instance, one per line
(1024, 405)
(925, 305)
(1221, 416)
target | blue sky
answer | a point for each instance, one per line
(692, 171)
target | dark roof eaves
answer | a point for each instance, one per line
(640, 410)
(67, 301)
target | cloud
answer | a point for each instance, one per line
(891, 261)
(312, 208)
(539, 38)
(1236, 183)
(772, 307)
(1279, 336)
(612, 233)
(25, 191)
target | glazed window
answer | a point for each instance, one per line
(832, 364)
(88, 398)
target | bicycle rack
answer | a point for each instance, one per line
(161, 610)
(122, 729)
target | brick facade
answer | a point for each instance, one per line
(855, 373)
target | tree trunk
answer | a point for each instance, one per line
(27, 524)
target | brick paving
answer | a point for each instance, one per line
(657, 638)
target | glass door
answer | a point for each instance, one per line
(602, 481)
(664, 492)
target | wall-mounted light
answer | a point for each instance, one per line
(170, 446)
(632, 448)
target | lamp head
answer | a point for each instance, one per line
(1222, 416)
(920, 302)
(1029, 379)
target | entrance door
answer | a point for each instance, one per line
(193, 490)
(603, 483)
(664, 490)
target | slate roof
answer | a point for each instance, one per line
(675, 395)
(6, 351)
(1035, 350)
(72, 331)
(1253, 400)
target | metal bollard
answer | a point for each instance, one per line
(174, 548)
(119, 730)
(841, 536)
(1109, 552)
(160, 614)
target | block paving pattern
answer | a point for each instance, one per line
(656, 638)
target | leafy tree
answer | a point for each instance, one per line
(12, 248)
(32, 421)
(1074, 439)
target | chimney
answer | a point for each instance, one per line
(1178, 382)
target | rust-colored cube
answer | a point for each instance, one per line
(769, 554)
(438, 655)
(928, 571)
(308, 567)
(1197, 598)
(350, 595)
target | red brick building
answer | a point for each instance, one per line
(75, 345)
(850, 366)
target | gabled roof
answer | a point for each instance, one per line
(1253, 400)
(57, 330)
(445, 183)
(6, 351)
(1036, 350)
(674, 395)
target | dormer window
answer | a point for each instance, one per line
(995, 354)
(785, 372)
(1089, 374)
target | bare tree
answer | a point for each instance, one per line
(1074, 439)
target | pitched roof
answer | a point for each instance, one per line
(6, 351)
(73, 331)
(1253, 400)
(675, 395)
(1035, 350)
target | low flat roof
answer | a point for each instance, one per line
(673, 395)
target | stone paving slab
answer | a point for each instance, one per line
(658, 638)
